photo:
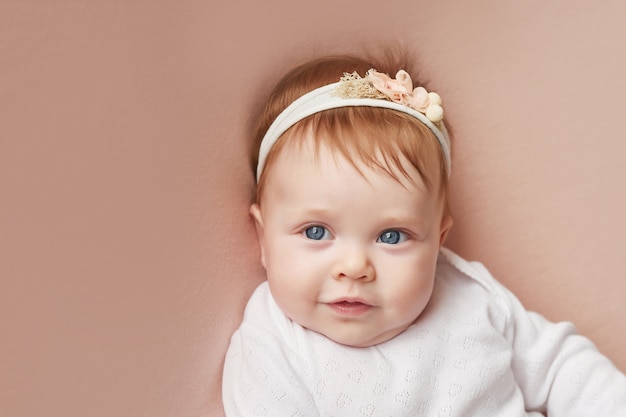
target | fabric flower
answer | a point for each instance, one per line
(396, 90)
(400, 90)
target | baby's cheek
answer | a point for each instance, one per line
(415, 294)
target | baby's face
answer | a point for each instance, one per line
(350, 257)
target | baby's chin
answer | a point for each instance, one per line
(362, 340)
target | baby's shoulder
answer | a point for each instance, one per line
(452, 266)
(263, 318)
(471, 280)
(262, 310)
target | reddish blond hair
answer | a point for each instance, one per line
(376, 137)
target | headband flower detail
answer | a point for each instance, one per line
(399, 90)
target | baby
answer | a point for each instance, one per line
(364, 313)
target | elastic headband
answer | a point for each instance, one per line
(335, 95)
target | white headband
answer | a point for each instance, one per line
(326, 98)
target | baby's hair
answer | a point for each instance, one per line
(373, 137)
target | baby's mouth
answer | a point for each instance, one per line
(349, 303)
(350, 307)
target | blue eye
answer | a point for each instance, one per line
(316, 233)
(392, 237)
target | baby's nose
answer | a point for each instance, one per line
(354, 264)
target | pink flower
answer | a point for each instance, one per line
(418, 99)
(400, 90)
(396, 90)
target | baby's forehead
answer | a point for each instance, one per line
(299, 185)
(326, 160)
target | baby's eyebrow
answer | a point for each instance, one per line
(411, 222)
(319, 211)
(399, 219)
(309, 211)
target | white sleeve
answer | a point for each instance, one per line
(263, 375)
(560, 372)
(259, 379)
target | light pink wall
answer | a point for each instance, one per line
(126, 251)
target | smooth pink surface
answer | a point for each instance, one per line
(126, 249)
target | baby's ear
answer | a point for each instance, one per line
(446, 225)
(255, 211)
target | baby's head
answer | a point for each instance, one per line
(351, 203)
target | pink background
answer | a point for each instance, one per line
(126, 250)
